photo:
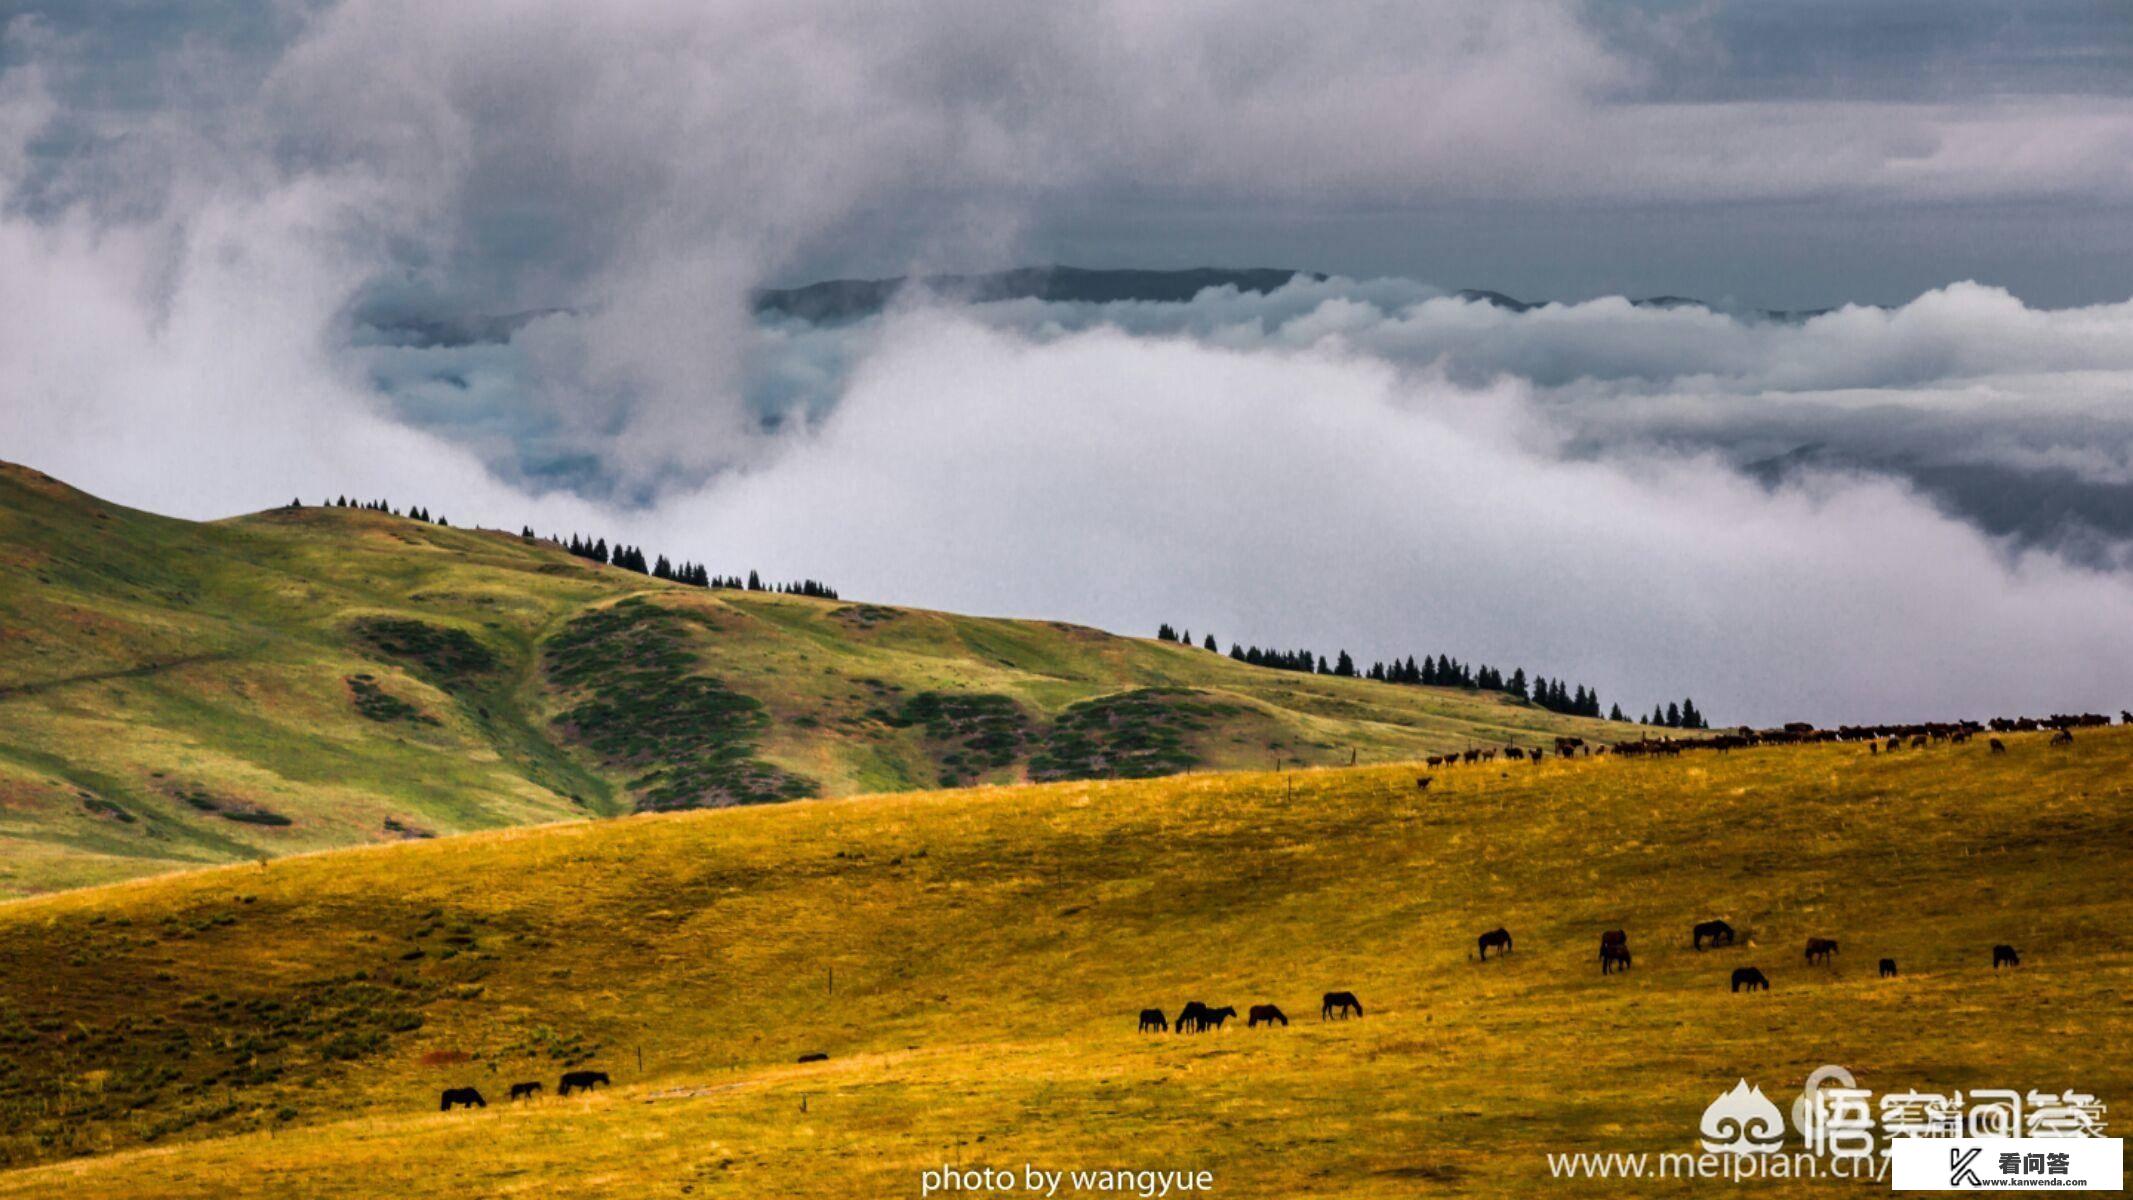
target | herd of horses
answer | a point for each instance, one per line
(1614, 956)
(1877, 739)
(1196, 1017)
(572, 1081)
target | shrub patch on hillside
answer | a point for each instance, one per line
(380, 705)
(973, 733)
(1128, 735)
(229, 809)
(642, 708)
(445, 655)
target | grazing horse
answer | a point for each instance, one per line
(1153, 1019)
(1819, 949)
(1266, 1013)
(1498, 937)
(1888, 968)
(1212, 1018)
(525, 1091)
(1998, 746)
(2005, 956)
(1422, 781)
(1750, 978)
(464, 1097)
(1189, 1017)
(813, 1056)
(1720, 933)
(1612, 955)
(580, 1081)
(2065, 737)
(1613, 937)
(1339, 1004)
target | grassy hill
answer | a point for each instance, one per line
(972, 962)
(176, 694)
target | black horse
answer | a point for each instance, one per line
(1267, 1014)
(1720, 933)
(1499, 937)
(813, 1056)
(1189, 1017)
(525, 1091)
(1888, 968)
(1339, 1004)
(1152, 1018)
(464, 1097)
(1613, 955)
(1750, 978)
(580, 1081)
(1212, 1018)
(2005, 956)
(1613, 937)
(1819, 949)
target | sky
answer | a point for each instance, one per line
(1915, 505)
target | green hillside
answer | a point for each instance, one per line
(177, 694)
(972, 963)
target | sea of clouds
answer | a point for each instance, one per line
(1913, 511)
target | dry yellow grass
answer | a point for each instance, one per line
(991, 948)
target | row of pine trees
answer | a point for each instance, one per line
(629, 558)
(1442, 670)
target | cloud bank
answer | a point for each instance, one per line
(1919, 510)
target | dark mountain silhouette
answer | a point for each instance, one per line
(850, 299)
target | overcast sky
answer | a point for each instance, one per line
(1918, 510)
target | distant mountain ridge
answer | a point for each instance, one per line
(833, 300)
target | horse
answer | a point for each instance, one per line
(1498, 937)
(1153, 1019)
(1613, 937)
(1750, 978)
(1422, 781)
(1266, 1013)
(580, 1081)
(1189, 1018)
(1819, 949)
(1212, 1018)
(1997, 746)
(1341, 1004)
(525, 1091)
(1720, 933)
(2005, 956)
(2065, 737)
(813, 1056)
(1888, 968)
(465, 1097)
(1613, 955)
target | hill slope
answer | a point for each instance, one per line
(176, 694)
(973, 961)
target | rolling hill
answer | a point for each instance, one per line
(177, 694)
(971, 962)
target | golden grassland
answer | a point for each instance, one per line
(973, 963)
(158, 676)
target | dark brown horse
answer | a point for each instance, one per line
(525, 1091)
(1888, 968)
(1612, 957)
(463, 1097)
(1339, 1004)
(1720, 933)
(1750, 978)
(1819, 949)
(1613, 937)
(2004, 956)
(1266, 1014)
(1152, 1019)
(1998, 746)
(1499, 937)
(580, 1081)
